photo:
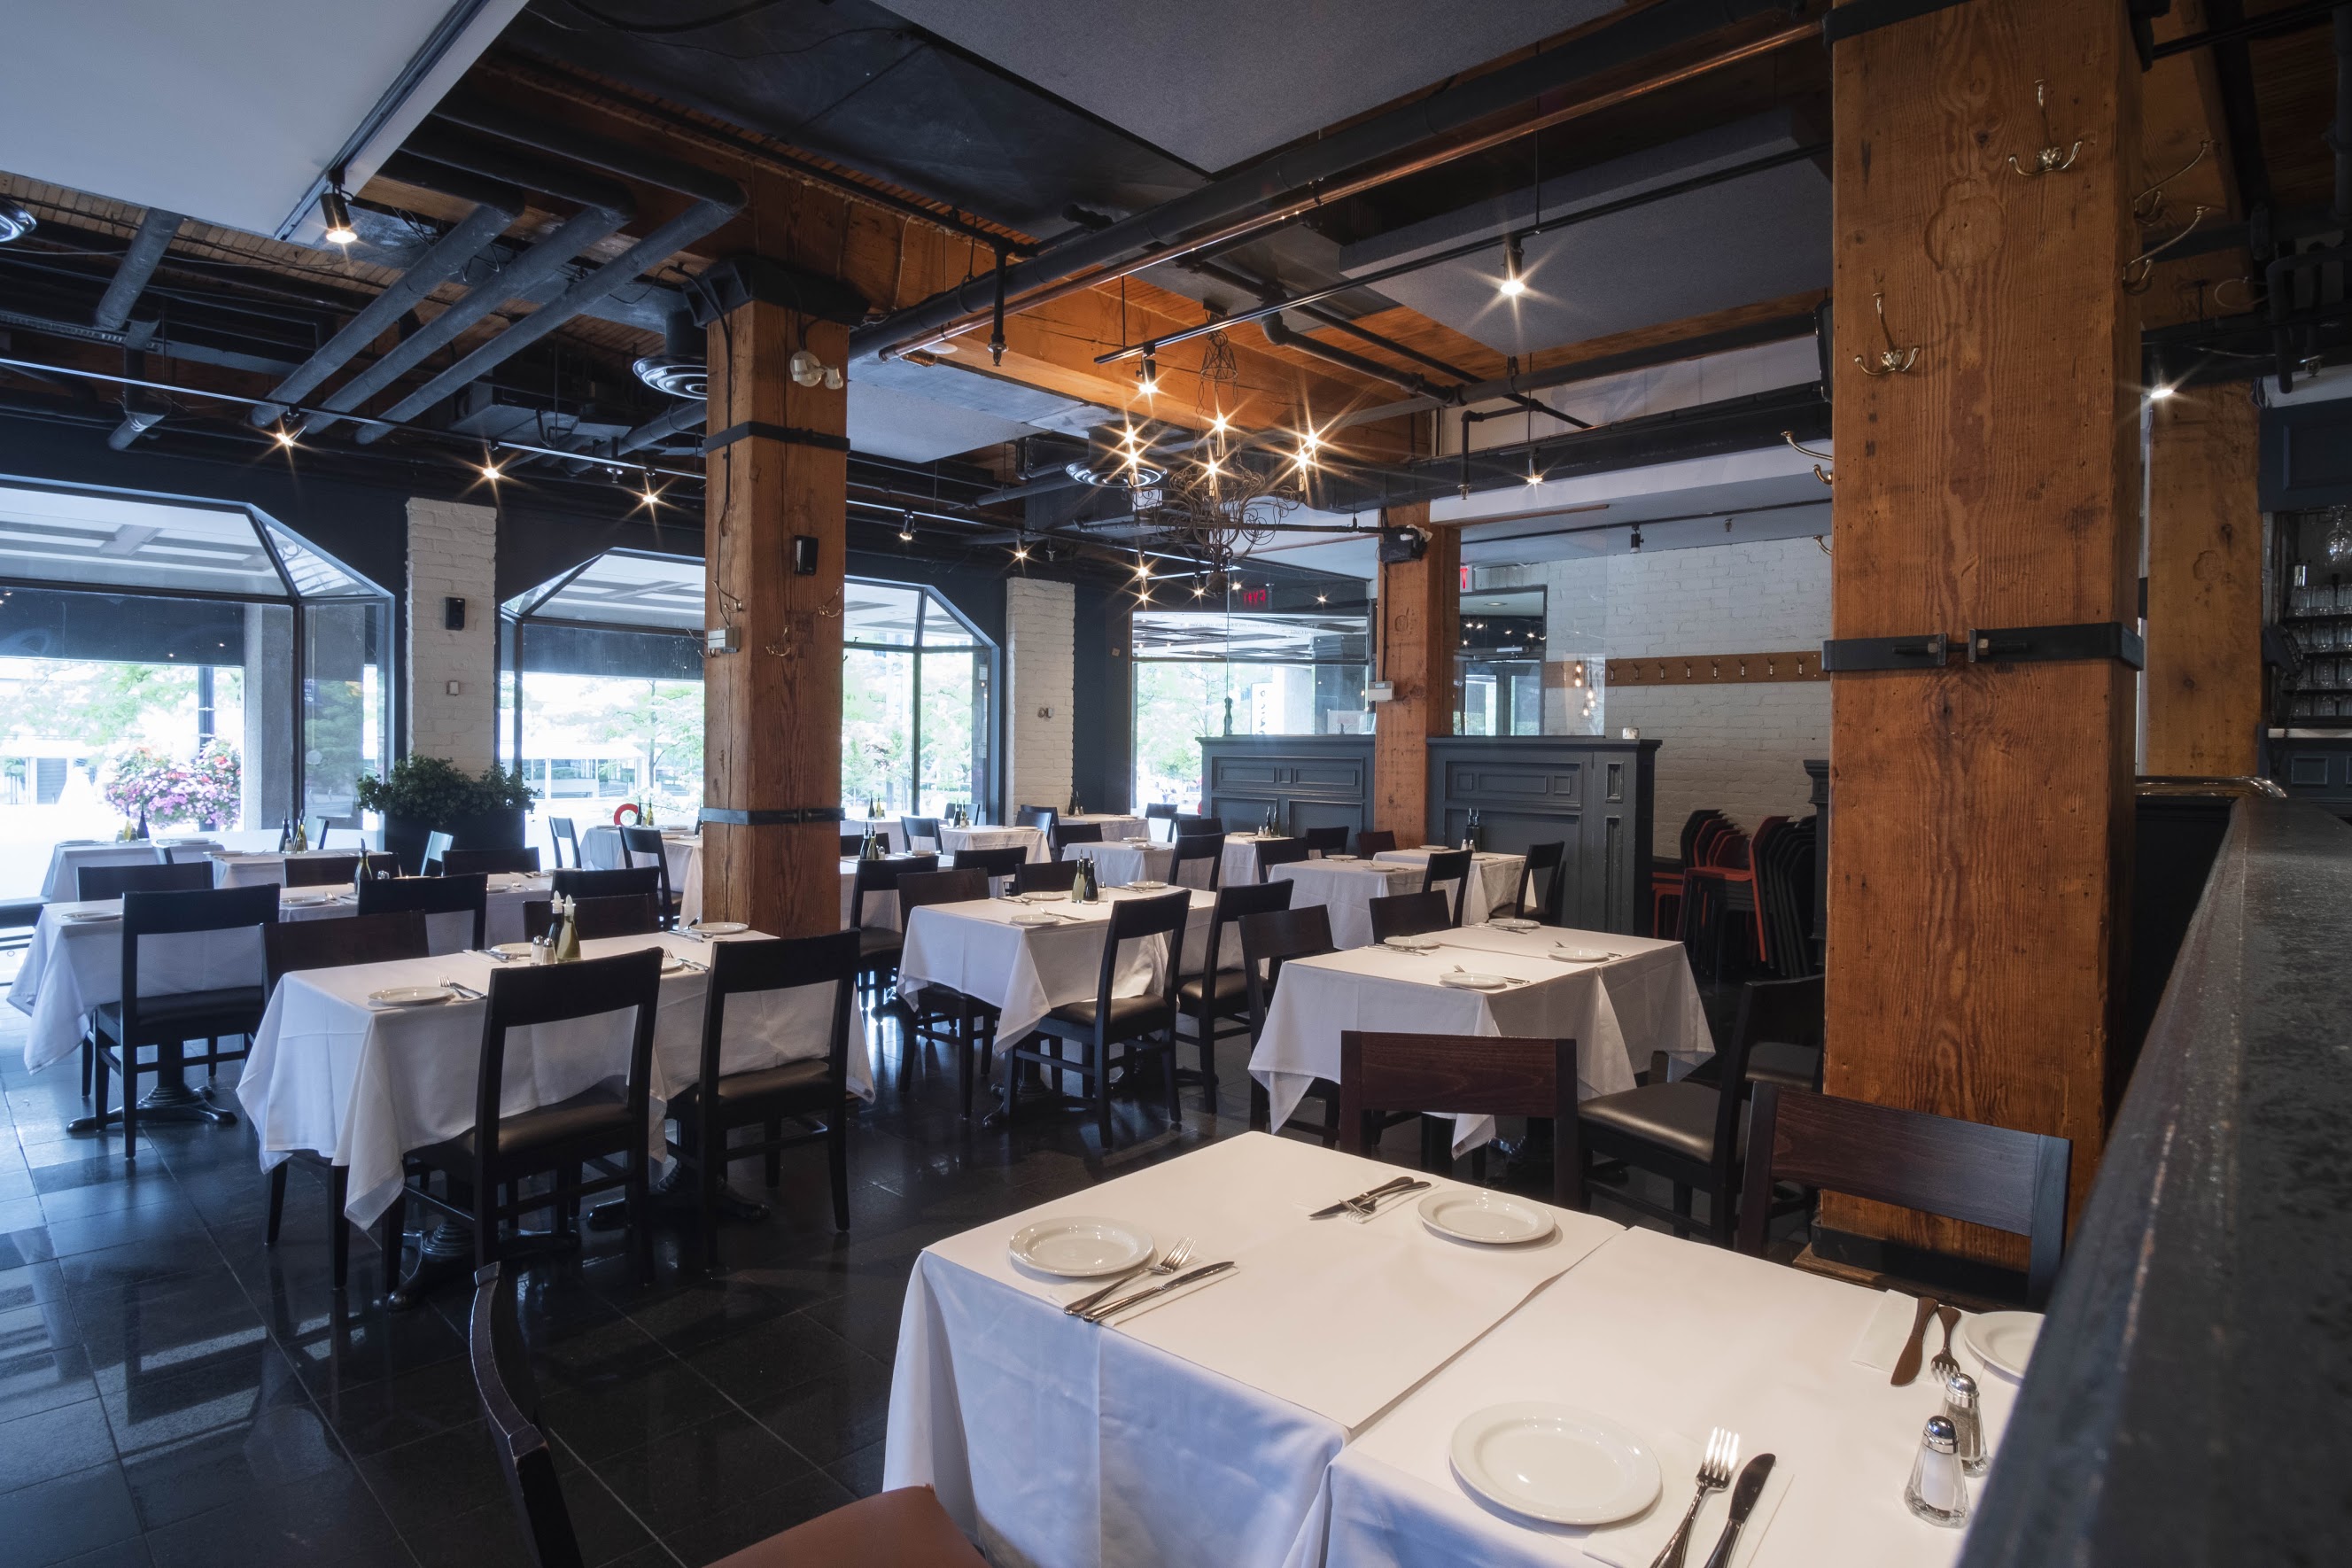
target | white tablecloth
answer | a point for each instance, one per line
(1120, 864)
(600, 850)
(1346, 888)
(1197, 1432)
(1032, 839)
(65, 860)
(362, 1085)
(72, 966)
(1666, 1336)
(1494, 879)
(1618, 1012)
(881, 909)
(231, 870)
(1026, 972)
(1115, 825)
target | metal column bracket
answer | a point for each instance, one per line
(1844, 656)
(784, 816)
(2045, 644)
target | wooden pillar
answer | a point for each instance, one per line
(1421, 615)
(2204, 583)
(778, 472)
(1981, 830)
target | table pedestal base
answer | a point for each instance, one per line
(170, 1100)
(445, 1253)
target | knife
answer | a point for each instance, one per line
(1906, 1365)
(1344, 1204)
(1134, 1297)
(1744, 1494)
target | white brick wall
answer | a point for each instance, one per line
(1041, 683)
(453, 552)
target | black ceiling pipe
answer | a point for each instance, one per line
(1279, 334)
(139, 264)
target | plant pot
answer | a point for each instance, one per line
(501, 829)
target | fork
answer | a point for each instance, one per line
(1945, 1364)
(1714, 1475)
(1168, 1265)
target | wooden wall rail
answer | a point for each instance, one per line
(1716, 668)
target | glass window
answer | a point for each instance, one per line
(915, 683)
(95, 539)
(1498, 668)
(1205, 672)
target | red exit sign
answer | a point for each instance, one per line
(1253, 598)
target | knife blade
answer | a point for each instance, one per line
(1906, 1365)
(1110, 1308)
(1341, 1206)
(1744, 1493)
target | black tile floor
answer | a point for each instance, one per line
(174, 1393)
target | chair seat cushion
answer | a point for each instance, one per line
(1125, 1011)
(901, 1529)
(604, 1110)
(761, 1083)
(1227, 990)
(233, 1011)
(1677, 1117)
(1770, 1061)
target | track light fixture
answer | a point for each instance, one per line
(1637, 538)
(283, 437)
(491, 472)
(906, 527)
(1514, 283)
(335, 212)
(1147, 377)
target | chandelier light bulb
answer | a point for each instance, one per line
(492, 472)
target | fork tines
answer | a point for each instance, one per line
(1722, 1457)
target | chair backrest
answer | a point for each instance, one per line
(510, 1396)
(489, 862)
(852, 844)
(1189, 827)
(1327, 840)
(428, 895)
(1549, 862)
(1044, 875)
(1235, 903)
(1038, 817)
(1465, 1074)
(437, 844)
(289, 945)
(1159, 811)
(318, 870)
(1269, 940)
(1450, 866)
(922, 828)
(998, 863)
(1408, 914)
(376, 865)
(1374, 841)
(1694, 825)
(647, 841)
(523, 996)
(95, 882)
(882, 877)
(1133, 920)
(1190, 846)
(1991, 1176)
(963, 884)
(1273, 852)
(572, 882)
(164, 913)
(623, 914)
(782, 964)
(560, 832)
(1063, 833)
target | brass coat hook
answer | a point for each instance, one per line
(2052, 159)
(2148, 205)
(2140, 270)
(1805, 451)
(1892, 361)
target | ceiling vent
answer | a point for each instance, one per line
(681, 368)
(16, 223)
(1117, 460)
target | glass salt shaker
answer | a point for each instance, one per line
(1938, 1492)
(1968, 1424)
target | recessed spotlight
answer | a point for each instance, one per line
(1021, 553)
(1322, 599)
(1146, 378)
(2160, 391)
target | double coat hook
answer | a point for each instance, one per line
(1891, 360)
(2053, 158)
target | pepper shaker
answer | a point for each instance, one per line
(1938, 1491)
(1968, 1424)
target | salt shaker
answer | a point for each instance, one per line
(1938, 1492)
(1968, 1424)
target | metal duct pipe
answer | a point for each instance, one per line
(1279, 334)
(677, 422)
(1289, 181)
(444, 260)
(140, 260)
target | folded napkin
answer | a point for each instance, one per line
(1636, 1542)
(1883, 1338)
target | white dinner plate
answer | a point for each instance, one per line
(514, 950)
(409, 995)
(1437, 848)
(2003, 1340)
(1080, 1247)
(1512, 923)
(1474, 1214)
(672, 965)
(1338, 857)
(1582, 955)
(304, 900)
(1146, 887)
(718, 928)
(1037, 919)
(82, 917)
(1555, 1463)
(1466, 980)
(1410, 944)
(1041, 897)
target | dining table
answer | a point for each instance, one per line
(1198, 1431)
(1031, 841)
(1119, 862)
(1619, 998)
(63, 881)
(74, 962)
(1494, 879)
(1117, 825)
(251, 868)
(1346, 887)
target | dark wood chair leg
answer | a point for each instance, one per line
(339, 1229)
(709, 1179)
(964, 1070)
(1099, 1055)
(1168, 1070)
(276, 1203)
(641, 1214)
(88, 1051)
(1682, 1209)
(1330, 1119)
(131, 1100)
(837, 1157)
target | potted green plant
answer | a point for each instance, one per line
(422, 795)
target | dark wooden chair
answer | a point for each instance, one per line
(496, 1156)
(378, 866)
(1408, 914)
(1143, 1026)
(429, 895)
(1273, 852)
(436, 846)
(1268, 942)
(718, 1104)
(571, 882)
(1191, 846)
(940, 1014)
(290, 946)
(1385, 1075)
(997, 864)
(879, 945)
(1547, 868)
(165, 1024)
(905, 1528)
(1374, 841)
(1784, 1041)
(1064, 833)
(319, 870)
(1215, 994)
(1991, 1176)
(94, 883)
(624, 914)
(489, 862)
(1689, 1131)
(1192, 827)
(1041, 817)
(560, 833)
(1326, 840)
(1159, 811)
(647, 842)
(1455, 866)
(920, 830)
(1045, 877)
(852, 844)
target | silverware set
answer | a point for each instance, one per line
(1135, 1298)
(1176, 1258)
(1365, 1203)
(1714, 1475)
(1945, 1364)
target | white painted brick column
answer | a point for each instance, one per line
(1041, 684)
(453, 676)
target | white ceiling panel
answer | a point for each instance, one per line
(887, 422)
(1218, 82)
